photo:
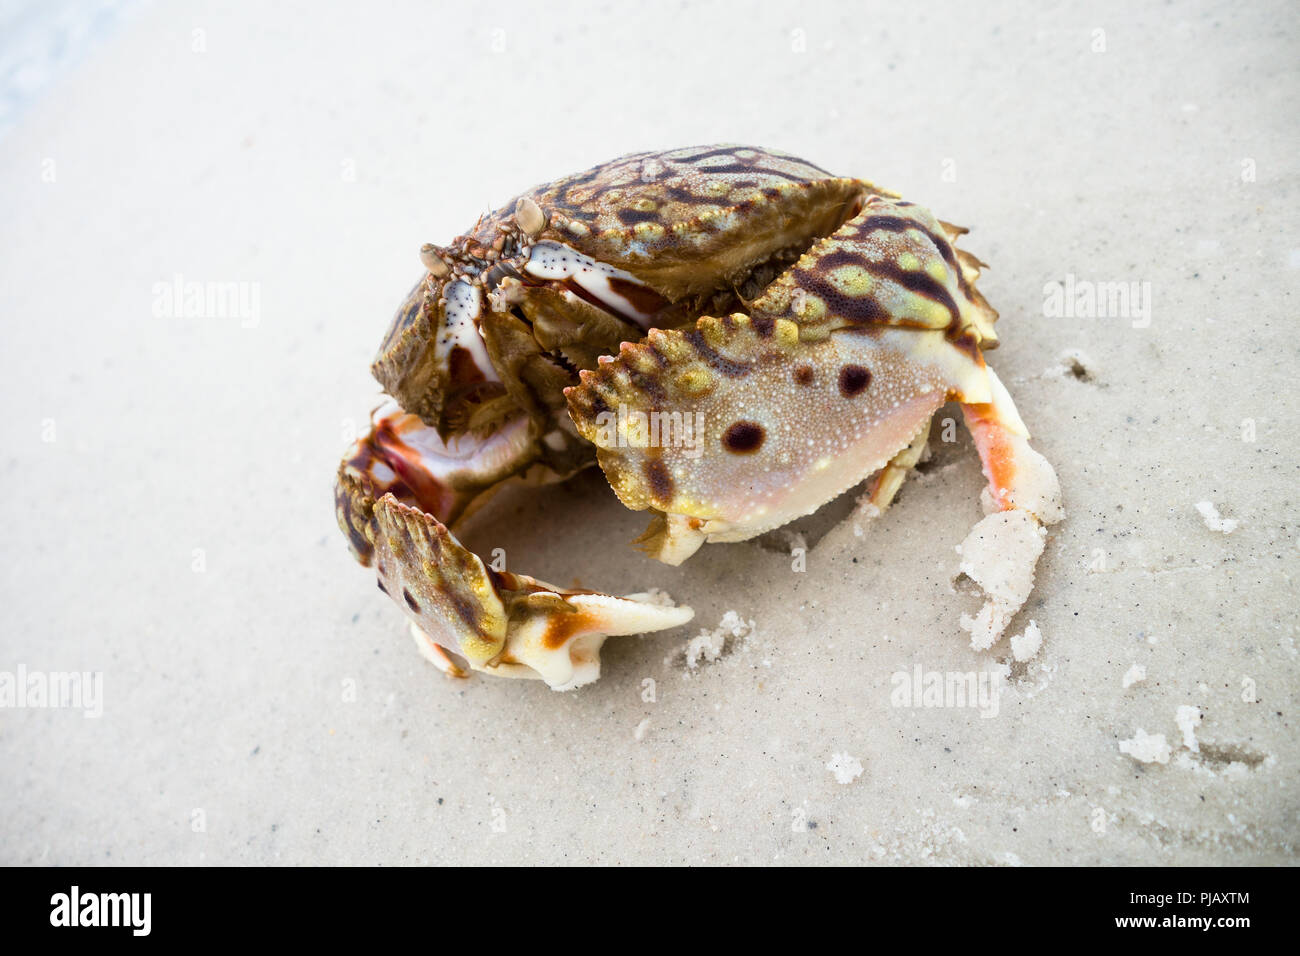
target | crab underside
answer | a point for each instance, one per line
(734, 335)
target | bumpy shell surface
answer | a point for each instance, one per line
(841, 362)
(568, 270)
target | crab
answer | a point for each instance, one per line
(734, 335)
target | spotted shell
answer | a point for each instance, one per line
(838, 365)
(565, 272)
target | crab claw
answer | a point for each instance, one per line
(502, 623)
(396, 488)
(1023, 495)
(402, 455)
(744, 423)
(740, 425)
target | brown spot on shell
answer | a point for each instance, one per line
(659, 480)
(854, 380)
(632, 216)
(804, 375)
(743, 438)
(411, 602)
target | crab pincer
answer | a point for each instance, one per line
(833, 375)
(395, 490)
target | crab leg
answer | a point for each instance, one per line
(891, 477)
(508, 624)
(1019, 477)
(1022, 495)
(390, 496)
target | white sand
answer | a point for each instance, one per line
(1188, 718)
(167, 509)
(1213, 520)
(845, 768)
(1136, 674)
(1148, 748)
(1024, 647)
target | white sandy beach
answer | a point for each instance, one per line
(168, 513)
